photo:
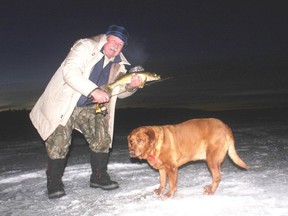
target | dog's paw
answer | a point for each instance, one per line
(158, 191)
(167, 196)
(208, 190)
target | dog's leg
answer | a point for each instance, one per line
(172, 175)
(214, 167)
(163, 180)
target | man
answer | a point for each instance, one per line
(91, 63)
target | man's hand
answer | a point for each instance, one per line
(136, 81)
(100, 96)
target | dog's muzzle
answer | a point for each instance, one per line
(132, 153)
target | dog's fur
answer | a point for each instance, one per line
(168, 147)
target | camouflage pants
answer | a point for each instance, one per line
(93, 126)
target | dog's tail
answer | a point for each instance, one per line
(233, 154)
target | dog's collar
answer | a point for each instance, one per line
(152, 159)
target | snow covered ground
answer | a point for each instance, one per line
(262, 143)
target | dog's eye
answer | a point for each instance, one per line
(139, 140)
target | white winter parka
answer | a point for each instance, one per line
(56, 104)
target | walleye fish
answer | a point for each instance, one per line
(126, 78)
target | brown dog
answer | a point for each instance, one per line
(168, 147)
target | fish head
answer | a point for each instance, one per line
(152, 77)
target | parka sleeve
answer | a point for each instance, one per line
(76, 64)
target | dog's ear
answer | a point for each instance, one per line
(152, 136)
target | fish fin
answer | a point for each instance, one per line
(144, 82)
(141, 86)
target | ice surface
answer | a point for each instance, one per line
(262, 190)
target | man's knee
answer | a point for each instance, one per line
(57, 144)
(57, 151)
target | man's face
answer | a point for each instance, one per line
(113, 46)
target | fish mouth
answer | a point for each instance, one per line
(157, 77)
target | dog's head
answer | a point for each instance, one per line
(141, 142)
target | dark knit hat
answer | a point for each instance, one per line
(119, 32)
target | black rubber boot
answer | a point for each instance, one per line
(55, 170)
(99, 177)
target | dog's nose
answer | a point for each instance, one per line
(132, 153)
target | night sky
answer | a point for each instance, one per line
(36, 36)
